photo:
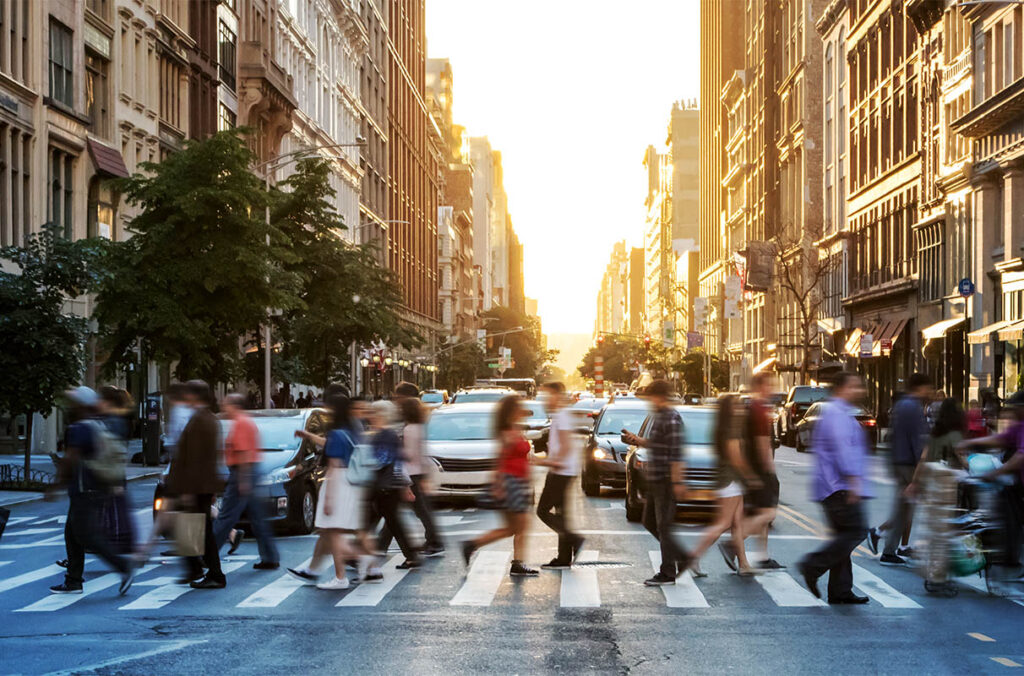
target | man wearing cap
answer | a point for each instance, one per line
(86, 496)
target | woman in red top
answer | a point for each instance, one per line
(512, 488)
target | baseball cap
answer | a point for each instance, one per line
(83, 396)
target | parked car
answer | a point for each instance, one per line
(585, 411)
(538, 425)
(460, 443)
(805, 427)
(291, 469)
(699, 454)
(793, 409)
(434, 398)
(479, 395)
(604, 453)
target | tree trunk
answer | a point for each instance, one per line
(28, 443)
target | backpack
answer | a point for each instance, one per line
(109, 456)
(362, 466)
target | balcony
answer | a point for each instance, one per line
(882, 281)
(991, 114)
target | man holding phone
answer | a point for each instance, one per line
(664, 477)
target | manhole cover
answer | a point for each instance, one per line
(602, 564)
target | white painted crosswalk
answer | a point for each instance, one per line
(579, 584)
(164, 594)
(787, 592)
(684, 593)
(489, 570)
(58, 601)
(373, 594)
(274, 594)
(879, 590)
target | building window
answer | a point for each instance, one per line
(228, 60)
(15, 161)
(100, 8)
(61, 64)
(97, 93)
(929, 252)
(61, 203)
(226, 118)
(101, 209)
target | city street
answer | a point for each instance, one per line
(596, 618)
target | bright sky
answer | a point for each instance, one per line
(571, 92)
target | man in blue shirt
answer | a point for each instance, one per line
(839, 483)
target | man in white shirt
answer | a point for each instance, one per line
(564, 463)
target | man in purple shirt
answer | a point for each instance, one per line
(839, 483)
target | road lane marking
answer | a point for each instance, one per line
(26, 578)
(32, 531)
(981, 637)
(975, 582)
(786, 592)
(174, 645)
(684, 593)
(879, 590)
(4, 563)
(1005, 661)
(55, 540)
(53, 602)
(276, 592)
(62, 519)
(161, 596)
(444, 520)
(157, 581)
(483, 579)
(370, 594)
(579, 585)
(21, 519)
(816, 527)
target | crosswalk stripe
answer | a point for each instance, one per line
(483, 579)
(975, 582)
(55, 540)
(787, 592)
(32, 576)
(274, 593)
(684, 593)
(579, 585)
(880, 591)
(4, 563)
(161, 596)
(57, 601)
(374, 593)
(32, 531)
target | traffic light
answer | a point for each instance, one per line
(647, 341)
(600, 339)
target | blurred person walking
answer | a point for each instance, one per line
(839, 483)
(194, 478)
(177, 417)
(665, 480)
(563, 462)
(910, 431)
(511, 488)
(242, 457)
(86, 471)
(414, 432)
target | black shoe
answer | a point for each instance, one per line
(660, 580)
(810, 579)
(209, 583)
(519, 570)
(168, 552)
(906, 552)
(770, 564)
(236, 541)
(873, 539)
(63, 563)
(266, 565)
(409, 564)
(65, 588)
(126, 581)
(850, 599)
(892, 560)
(467, 551)
(578, 547)
(373, 577)
(728, 552)
(189, 579)
(555, 564)
(432, 551)
(303, 575)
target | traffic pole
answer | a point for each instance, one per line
(599, 375)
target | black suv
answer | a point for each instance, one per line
(797, 402)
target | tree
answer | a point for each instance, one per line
(460, 365)
(345, 295)
(528, 351)
(201, 267)
(43, 345)
(622, 358)
(691, 368)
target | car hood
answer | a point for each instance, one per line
(612, 443)
(697, 456)
(477, 448)
(269, 461)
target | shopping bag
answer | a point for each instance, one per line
(117, 524)
(190, 534)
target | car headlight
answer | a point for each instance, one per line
(277, 476)
(600, 453)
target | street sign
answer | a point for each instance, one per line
(493, 366)
(965, 287)
(668, 333)
(866, 345)
(700, 310)
(733, 297)
(885, 344)
(694, 339)
(481, 338)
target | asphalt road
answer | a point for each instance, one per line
(597, 618)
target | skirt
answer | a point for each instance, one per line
(731, 491)
(346, 502)
(518, 494)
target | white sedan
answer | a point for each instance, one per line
(462, 449)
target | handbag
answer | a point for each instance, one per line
(190, 533)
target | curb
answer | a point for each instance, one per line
(36, 498)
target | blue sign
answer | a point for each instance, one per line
(965, 287)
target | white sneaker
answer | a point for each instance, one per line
(335, 584)
(365, 562)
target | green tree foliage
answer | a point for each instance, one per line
(345, 294)
(43, 345)
(691, 367)
(527, 347)
(198, 274)
(621, 355)
(460, 366)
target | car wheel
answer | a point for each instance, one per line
(634, 509)
(307, 511)
(591, 484)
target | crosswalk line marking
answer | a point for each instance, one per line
(483, 579)
(32, 531)
(787, 592)
(274, 593)
(579, 585)
(981, 637)
(157, 581)
(1005, 661)
(445, 520)
(32, 576)
(55, 540)
(684, 593)
(57, 601)
(880, 591)
(161, 596)
(62, 519)
(4, 563)
(22, 519)
(974, 582)
(374, 593)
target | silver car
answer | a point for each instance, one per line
(462, 448)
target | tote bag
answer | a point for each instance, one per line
(190, 533)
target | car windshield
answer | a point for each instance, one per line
(478, 397)
(698, 426)
(809, 395)
(536, 410)
(614, 420)
(459, 427)
(777, 398)
(276, 434)
(589, 404)
(432, 398)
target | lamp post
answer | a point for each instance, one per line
(268, 166)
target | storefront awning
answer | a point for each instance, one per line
(890, 331)
(108, 161)
(985, 333)
(765, 365)
(830, 325)
(1013, 331)
(939, 329)
(852, 346)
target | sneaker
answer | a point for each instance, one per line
(65, 588)
(126, 582)
(659, 580)
(235, 540)
(892, 560)
(336, 584)
(906, 552)
(555, 564)
(209, 583)
(728, 553)
(364, 565)
(373, 575)
(770, 564)
(266, 565)
(304, 575)
(432, 551)
(63, 563)
(874, 537)
(519, 570)
(409, 564)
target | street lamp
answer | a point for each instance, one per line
(268, 166)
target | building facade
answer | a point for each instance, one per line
(612, 296)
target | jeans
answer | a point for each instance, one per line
(902, 509)
(551, 509)
(233, 505)
(83, 531)
(659, 517)
(848, 530)
(425, 513)
(211, 557)
(384, 505)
